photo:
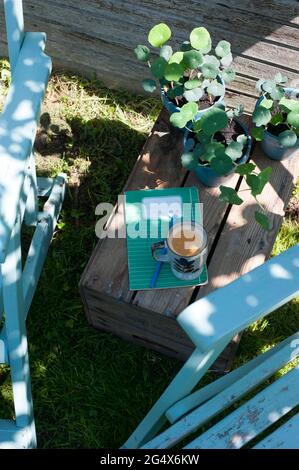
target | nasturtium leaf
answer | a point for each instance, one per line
(277, 93)
(189, 145)
(213, 150)
(287, 138)
(173, 72)
(193, 95)
(166, 52)
(142, 52)
(214, 120)
(197, 126)
(262, 219)
(190, 84)
(269, 85)
(261, 116)
(200, 39)
(189, 161)
(222, 164)
(243, 139)
(228, 75)
(202, 137)
(277, 119)
(149, 85)
(212, 60)
(245, 169)
(176, 58)
(258, 133)
(209, 71)
(215, 88)
(158, 67)
(234, 150)
(186, 46)
(159, 35)
(288, 104)
(266, 103)
(227, 60)
(223, 49)
(259, 84)
(279, 78)
(264, 177)
(229, 195)
(293, 119)
(189, 110)
(193, 59)
(178, 120)
(253, 182)
(176, 91)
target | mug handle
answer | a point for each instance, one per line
(163, 256)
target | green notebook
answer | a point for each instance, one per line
(147, 215)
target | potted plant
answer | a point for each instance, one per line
(276, 117)
(192, 74)
(218, 145)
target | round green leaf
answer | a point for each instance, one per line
(176, 58)
(262, 219)
(261, 116)
(193, 95)
(293, 119)
(277, 93)
(200, 39)
(213, 150)
(193, 59)
(149, 85)
(178, 120)
(287, 138)
(228, 75)
(222, 164)
(269, 85)
(229, 195)
(142, 52)
(173, 72)
(215, 88)
(245, 169)
(190, 84)
(258, 133)
(159, 34)
(223, 49)
(189, 161)
(227, 60)
(287, 104)
(279, 78)
(158, 67)
(212, 60)
(189, 110)
(213, 121)
(234, 150)
(176, 91)
(277, 119)
(209, 71)
(266, 103)
(166, 52)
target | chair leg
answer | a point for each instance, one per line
(16, 337)
(31, 210)
(184, 382)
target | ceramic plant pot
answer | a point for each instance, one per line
(270, 143)
(206, 175)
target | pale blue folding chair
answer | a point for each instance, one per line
(211, 323)
(19, 192)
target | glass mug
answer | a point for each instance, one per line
(185, 248)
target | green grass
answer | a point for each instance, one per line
(91, 389)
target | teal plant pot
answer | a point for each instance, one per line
(270, 143)
(172, 108)
(207, 176)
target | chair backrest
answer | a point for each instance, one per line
(14, 20)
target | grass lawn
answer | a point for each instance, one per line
(91, 389)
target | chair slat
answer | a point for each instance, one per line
(252, 418)
(232, 308)
(285, 437)
(14, 21)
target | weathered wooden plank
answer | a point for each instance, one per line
(243, 244)
(252, 418)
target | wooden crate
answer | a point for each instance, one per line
(236, 245)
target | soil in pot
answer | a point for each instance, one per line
(203, 103)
